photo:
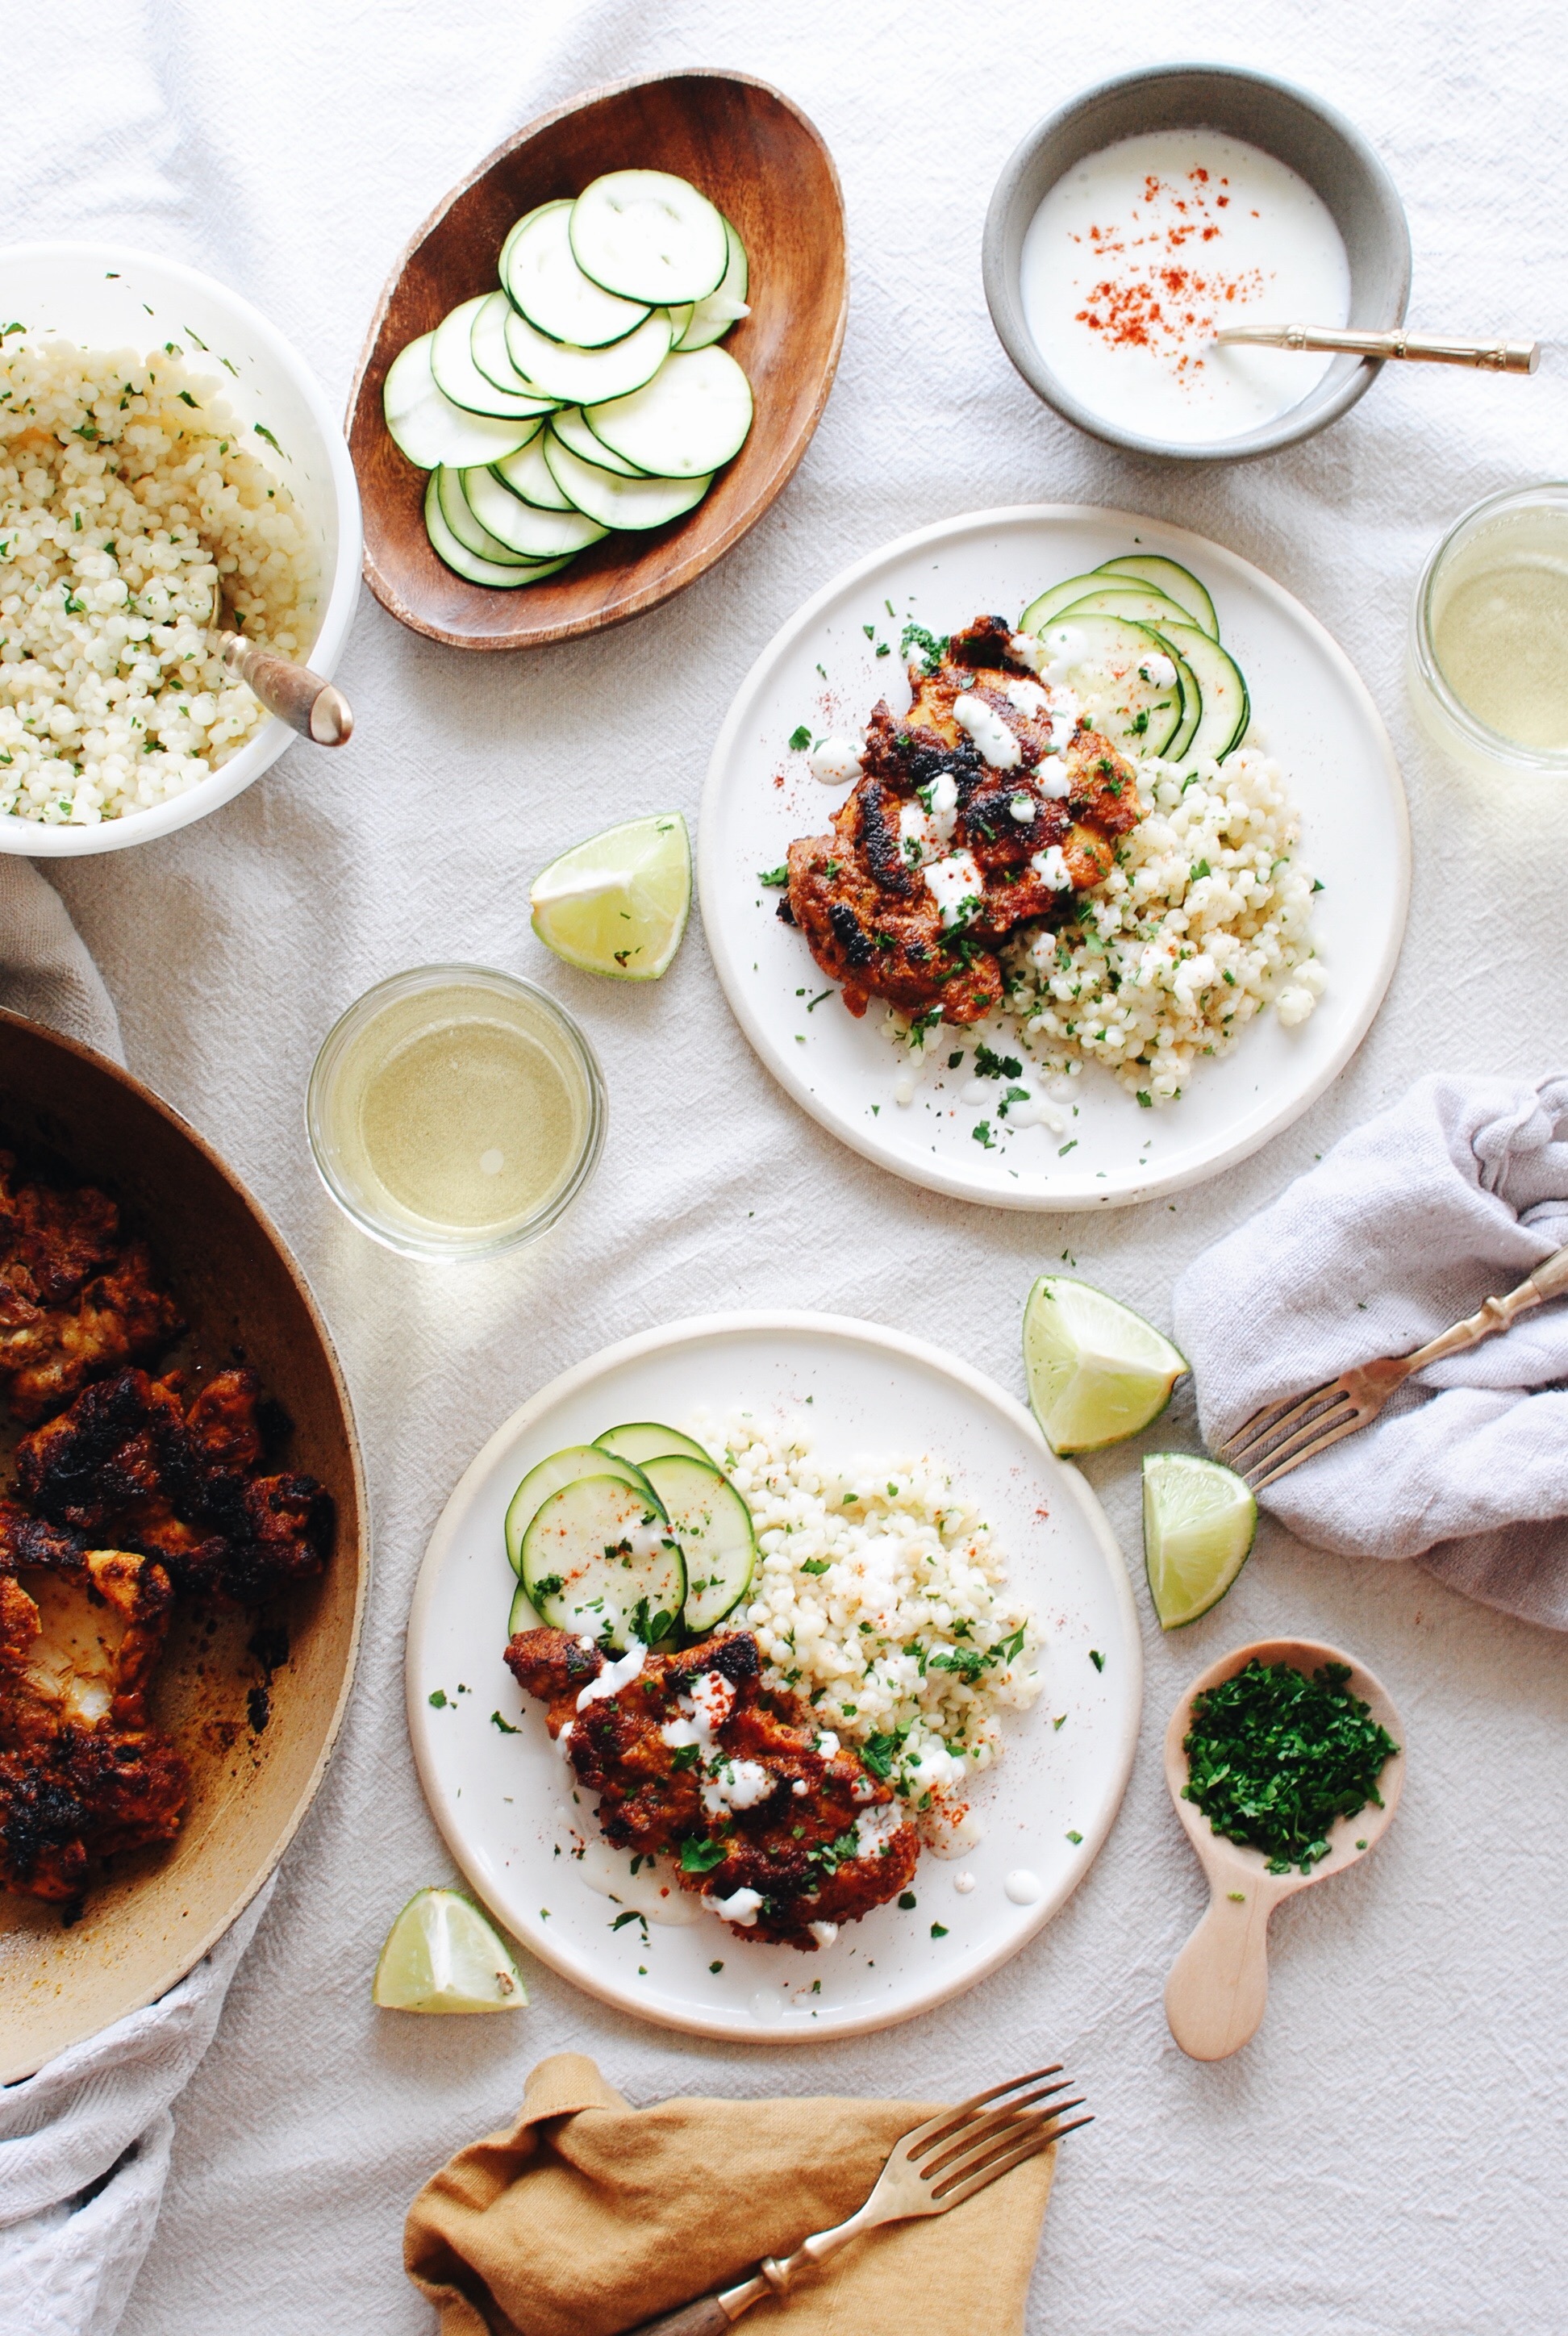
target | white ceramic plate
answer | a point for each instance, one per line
(504, 1801)
(1310, 710)
(106, 298)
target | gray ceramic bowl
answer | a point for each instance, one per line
(1316, 141)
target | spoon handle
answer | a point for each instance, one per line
(1490, 357)
(317, 709)
(1219, 1985)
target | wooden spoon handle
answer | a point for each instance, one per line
(1219, 1985)
(316, 708)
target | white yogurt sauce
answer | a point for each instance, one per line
(836, 762)
(988, 731)
(609, 1871)
(1052, 869)
(1029, 697)
(1023, 1887)
(614, 1677)
(953, 882)
(1138, 256)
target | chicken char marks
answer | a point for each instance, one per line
(927, 793)
(75, 1301)
(742, 1791)
(132, 1462)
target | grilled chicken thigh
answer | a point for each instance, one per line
(981, 809)
(74, 1300)
(695, 1758)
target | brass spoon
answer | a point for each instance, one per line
(1489, 357)
(1218, 1990)
(317, 709)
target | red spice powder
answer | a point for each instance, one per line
(1155, 300)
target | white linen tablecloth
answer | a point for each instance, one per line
(1388, 2155)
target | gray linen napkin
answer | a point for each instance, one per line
(84, 2144)
(45, 971)
(1453, 1194)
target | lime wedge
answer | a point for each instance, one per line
(1098, 1372)
(617, 905)
(443, 1955)
(1199, 1524)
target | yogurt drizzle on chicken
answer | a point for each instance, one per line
(985, 807)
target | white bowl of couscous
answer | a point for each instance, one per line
(167, 463)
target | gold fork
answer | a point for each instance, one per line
(938, 2166)
(1282, 1435)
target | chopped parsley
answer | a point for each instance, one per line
(816, 1564)
(938, 1929)
(800, 739)
(699, 1856)
(982, 1132)
(505, 1726)
(775, 879)
(989, 1066)
(907, 1899)
(1273, 1758)
(1097, 1660)
(438, 1698)
(931, 650)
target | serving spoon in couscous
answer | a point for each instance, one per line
(158, 585)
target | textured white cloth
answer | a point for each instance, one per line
(1335, 2175)
(45, 972)
(1452, 1196)
(85, 2153)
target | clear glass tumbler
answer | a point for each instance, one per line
(1488, 661)
(454, 1111)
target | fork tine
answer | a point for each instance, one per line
(1339, 1419)
(1279, 1419)
(947, 2122)
(1281, 1466)
(998, 2143)
(970, 2136)
(953, 2192)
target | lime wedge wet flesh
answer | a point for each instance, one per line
(1098, 1372)
(1199, 1524)
(617, 905)
(443, 1955)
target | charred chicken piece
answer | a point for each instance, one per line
(695, 1758)
(82, 1771)
(971, 816)
(75, 1299)
(130, 1461)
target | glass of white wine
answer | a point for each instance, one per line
(1489, 633)
(453, 1111)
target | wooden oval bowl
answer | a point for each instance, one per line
(766, 168)
(161, 1909)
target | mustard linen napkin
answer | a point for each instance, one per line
(590, 2216)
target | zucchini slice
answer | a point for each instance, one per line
(597, 1558)
(535, 534)
(572, 431)
(693, 416)
(1041, 612)
(501, 577)
(1170, 577)
(649, 1439)
(1104, 659)
(522, 1614)
(1227, 708)
(456, 510)
(429, 428)
(457, 377)
(712, 318)
(616, 501)
(648, 235)
(1127, 597)
(487, 341)
(573, 377)
(564, 1467)
(545, 284)
(713, 1525)
(529, 475)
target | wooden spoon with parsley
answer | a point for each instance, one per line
(1285, 1764)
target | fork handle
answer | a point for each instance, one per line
(1549, 1280)
(706, 2317)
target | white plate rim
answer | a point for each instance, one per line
(902, 1345)
(1131, 1188)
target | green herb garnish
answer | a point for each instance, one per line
(775, 879)
(800, 739)
(1273, 1758)
(699, 1856)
